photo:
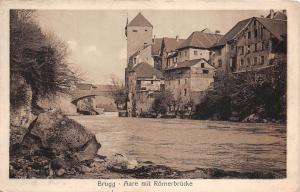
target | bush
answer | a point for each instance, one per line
(254, 92)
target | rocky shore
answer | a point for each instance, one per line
(54, 146)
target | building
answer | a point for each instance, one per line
(142, 80)
(189, 74)
(169, 49)
(144, 83)
(252, 44)
(188, 81)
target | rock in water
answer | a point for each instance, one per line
(121, 162)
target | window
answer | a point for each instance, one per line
(180, 54)
(134, 30)
(262, 33)
(134, 60)
(179, 82)
(242, 62)
(249, 35)
(248, 62)
(205, 71)
(219, 63)
(232, 46)
(185, 53)
(255, 61)
(202, 65)
(195, 52)
(262, 60)
(248, 49)
(255, 47)
(241, 50)
(254, 23)
(184, 92)
(255, 33)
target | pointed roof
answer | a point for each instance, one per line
(145, 70)
(171, 44)
(277, 27)
(140, 20)
(199, 39)
(233, 32)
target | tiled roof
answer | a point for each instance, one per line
(145, 70)
(171, 44)
(186, 64)
(277, 27)
(156, 46)
(200, 39)
(232, 32)
(140, 20)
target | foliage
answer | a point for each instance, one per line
(161, 102)
(38, 57)
(253, 92)
(118, 92)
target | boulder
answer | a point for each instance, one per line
(253, 118)
(121, 162)
(64, 143)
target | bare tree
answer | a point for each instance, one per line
(118, 92)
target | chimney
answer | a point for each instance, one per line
(177, 38)
(271, 13)
(284, 11)
(217, 31)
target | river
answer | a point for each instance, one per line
(187, 144)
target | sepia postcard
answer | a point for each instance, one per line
(115, 96)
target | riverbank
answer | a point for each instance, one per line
(39, 167)
(55, 146)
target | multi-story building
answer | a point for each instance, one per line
(189, 74)
(252, 44)
(142, 80)
(145, 83)
(188, 81)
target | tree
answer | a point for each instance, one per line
(162, 102)
(39, 58)
(118, 92)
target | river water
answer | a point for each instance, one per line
(187, 144)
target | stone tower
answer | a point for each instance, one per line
(139, 34)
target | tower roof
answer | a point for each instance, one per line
(140, 20)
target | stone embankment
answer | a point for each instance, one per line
(54, 146)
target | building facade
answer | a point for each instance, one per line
(252, 44)
(143, 81)
(188, 81)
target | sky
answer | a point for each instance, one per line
(97, 41)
